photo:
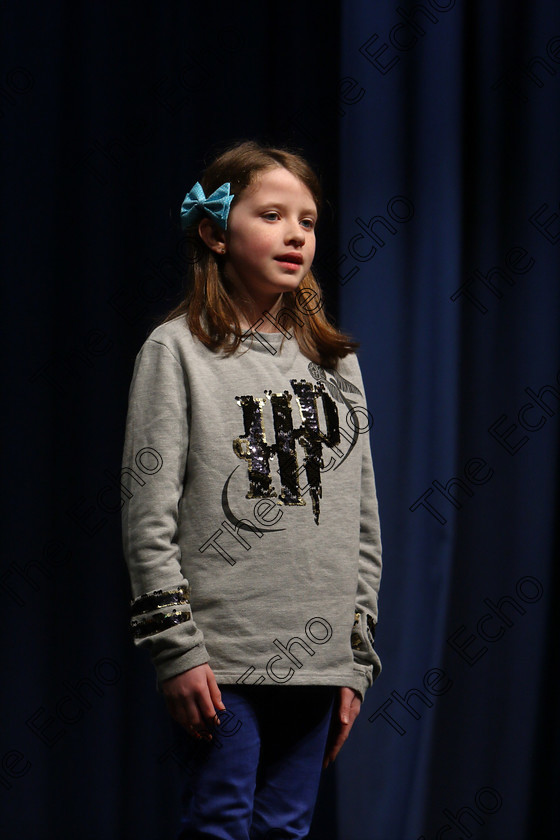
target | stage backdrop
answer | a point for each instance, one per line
(448, 268)
(434, 127)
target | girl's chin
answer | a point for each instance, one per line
(274, 289)
(268, 287)
(289, 281)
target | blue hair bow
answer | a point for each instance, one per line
(196, 205)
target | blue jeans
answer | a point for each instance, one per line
(258, 779)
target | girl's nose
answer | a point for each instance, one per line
(294, 233)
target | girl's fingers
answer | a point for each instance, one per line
(335, 742)
(208, 699)
(182, 711)
(215, 694)
(346, 712)
(189, 714)
(192, 698)
(334, 750)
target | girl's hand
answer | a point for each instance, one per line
(344, 714)
(193, 698)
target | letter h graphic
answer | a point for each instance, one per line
(254, 448)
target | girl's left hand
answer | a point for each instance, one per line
(344, 714)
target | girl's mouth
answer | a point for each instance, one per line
(292, 261)
(291, 265)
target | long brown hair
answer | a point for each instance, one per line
(207, 306)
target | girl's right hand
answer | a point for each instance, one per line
(193, 698)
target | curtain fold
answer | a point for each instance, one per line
(448, 272)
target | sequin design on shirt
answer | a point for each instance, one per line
(337, 386)
(356, 639)
(253, 447)
(144, 610)
(370, 623)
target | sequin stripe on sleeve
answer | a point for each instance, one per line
(357, 638)
(145, 621)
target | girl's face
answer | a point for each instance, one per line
(270, 236)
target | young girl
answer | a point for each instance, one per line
(251, 529)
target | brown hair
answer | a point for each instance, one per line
(207, 306)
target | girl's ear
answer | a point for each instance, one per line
(212, 236)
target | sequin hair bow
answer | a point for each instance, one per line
(196, 205)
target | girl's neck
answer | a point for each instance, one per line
(250, 314)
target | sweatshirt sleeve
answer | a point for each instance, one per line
(153, 475)
(367, 665)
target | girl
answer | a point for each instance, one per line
(251, 529)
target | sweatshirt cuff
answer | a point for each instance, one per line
(162, 622)
(361, 679)
(167, 667)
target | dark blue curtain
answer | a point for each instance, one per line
(434, 127)
(448, 270)
(109, 112)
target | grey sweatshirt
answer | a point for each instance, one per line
(250, 526)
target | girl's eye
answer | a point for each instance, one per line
(272, 215)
